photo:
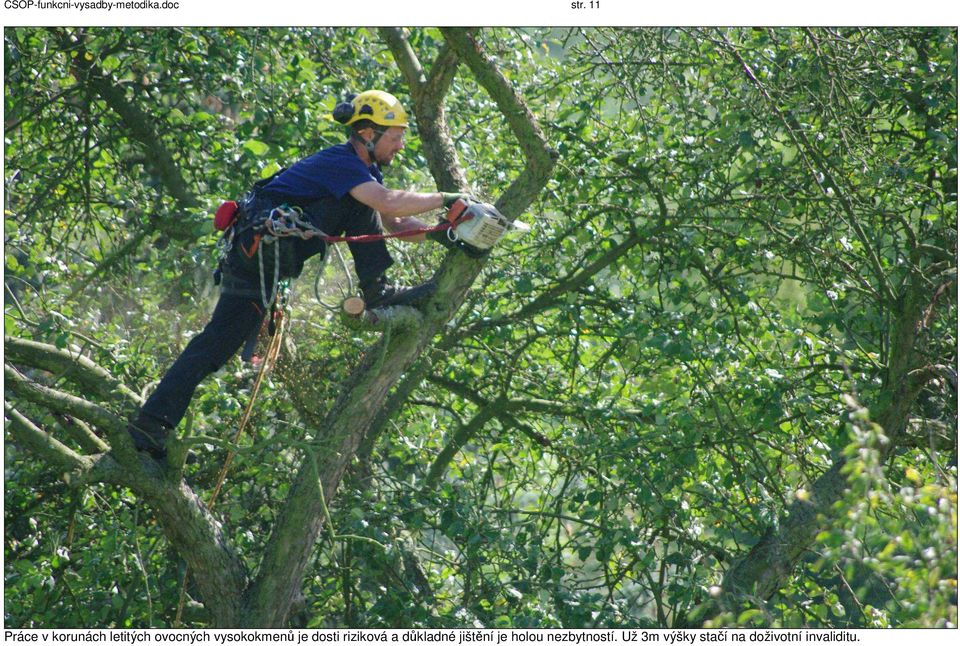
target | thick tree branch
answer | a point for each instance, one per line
(56, 400)
(83, 435)
(428, 95)
(407, 61)
(192, 530)
(44, 445)
(72, 365)
(539, 156)
(199, 538)
(303, 517)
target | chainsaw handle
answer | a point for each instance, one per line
(456, 210)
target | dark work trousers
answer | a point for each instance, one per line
(234, 320)
(239, 316)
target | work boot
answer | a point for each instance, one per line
(380, 293)
(150, 435)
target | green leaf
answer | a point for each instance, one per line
(256, 147)
(747, 616)
(110, 63)
(269, 169)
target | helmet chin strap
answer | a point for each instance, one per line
(371, 144)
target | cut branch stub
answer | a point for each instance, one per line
(354, 306)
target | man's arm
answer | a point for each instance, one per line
(394, 204)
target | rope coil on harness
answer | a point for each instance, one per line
(275, 285)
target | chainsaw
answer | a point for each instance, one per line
(478, 224)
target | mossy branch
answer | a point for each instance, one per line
(41, 443)
(70, 364)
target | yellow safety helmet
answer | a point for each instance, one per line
(378, 106)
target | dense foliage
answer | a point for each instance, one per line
(741, 285)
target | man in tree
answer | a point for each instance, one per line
(339, 191)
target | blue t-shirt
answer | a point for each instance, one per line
(332, 172)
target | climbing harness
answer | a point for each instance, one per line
(285, 221)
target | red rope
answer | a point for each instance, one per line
(373, 237)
